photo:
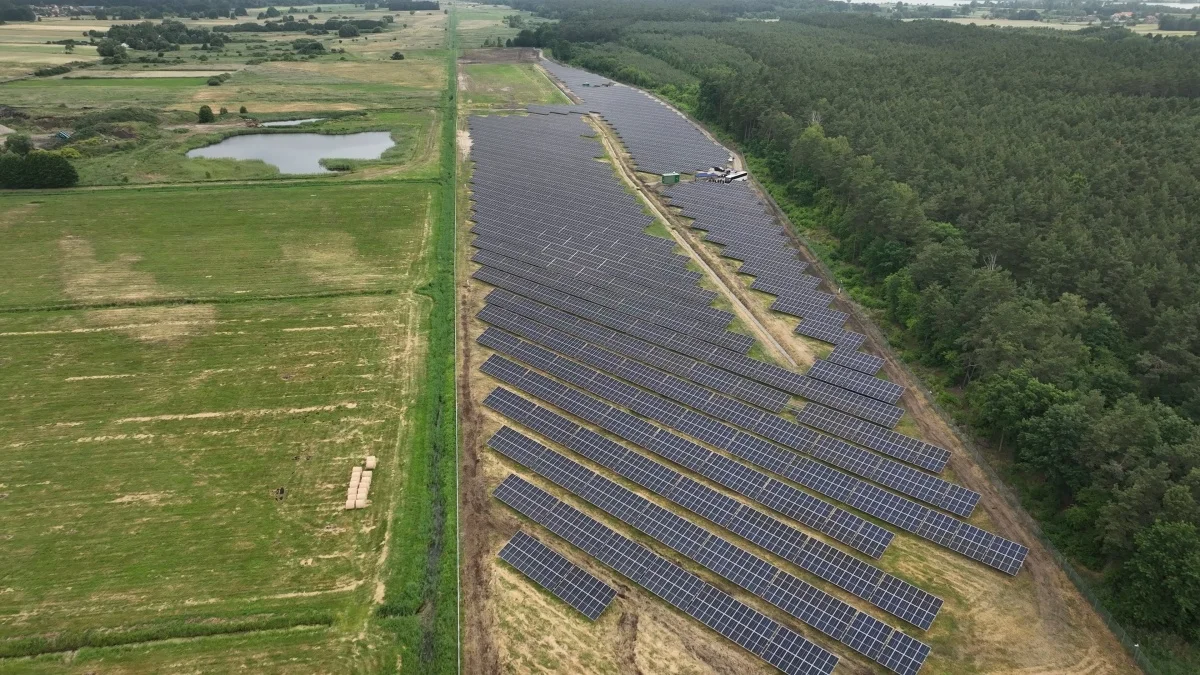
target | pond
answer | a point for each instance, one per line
(298, 153)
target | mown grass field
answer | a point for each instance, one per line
(149, 432)
(506, 85)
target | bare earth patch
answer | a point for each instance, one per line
(16, 214)
(161, 325)
(333, 260)
(89, 280)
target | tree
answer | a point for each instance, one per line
(397, 56)
(243, 110)
(69, 46)
(206, 114)
(111, 48)
(36, 170)
(19, 144)
(1160, 584)
(272, 13)
(348, 30)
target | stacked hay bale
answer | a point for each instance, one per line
(360, 484)
(352, 491)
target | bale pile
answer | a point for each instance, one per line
(360, 484)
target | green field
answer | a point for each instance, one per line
(150, 430)
(507, 85)
(191, 369)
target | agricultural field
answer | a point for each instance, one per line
(200, 383)
(194, 353)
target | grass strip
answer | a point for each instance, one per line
(420, 598)
(167, 630)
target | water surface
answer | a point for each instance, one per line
(298, 153)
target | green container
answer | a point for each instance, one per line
(670, 178)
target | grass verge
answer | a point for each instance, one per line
(420, 600)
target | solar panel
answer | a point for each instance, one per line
(780, 645)
(862, 579)
(843, 526)
(757, 576)
(566, 580)
(803, 508)
(881, 390)
(929, 489)
(878, 438)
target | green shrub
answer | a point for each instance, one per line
(19, 144)
(206, 114)
(214, 81)
(51, 70)
(36, 170)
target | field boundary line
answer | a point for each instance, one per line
(108, 638)
(214, 300)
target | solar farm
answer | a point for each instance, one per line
(637, 433)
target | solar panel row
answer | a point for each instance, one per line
(988, 548)
(632, 347)
(662, 319)
(873, 436)
(607, 293)
(518, 292)
(846, 378)
(851, 530)
(793, 595)
(566, 580)
(864, 580)
(800, 506)
(734, 217)
(776, 644)
(904, 479)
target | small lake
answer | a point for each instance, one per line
(298, 153)
(291, 123)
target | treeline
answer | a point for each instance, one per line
(1170, 22)
(10, 11)
(413, 6)
(133, 10)
(168, 35)
(1021, 207)
(290, 24)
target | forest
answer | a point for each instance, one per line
(1020, 209)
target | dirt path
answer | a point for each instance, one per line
(712, 268)
(480, 649)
